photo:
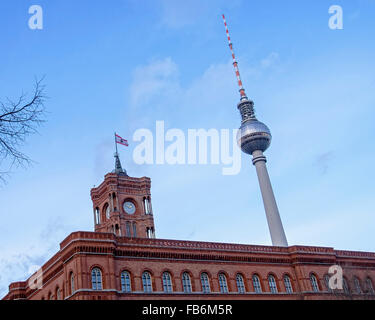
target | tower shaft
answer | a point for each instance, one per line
(272, 212)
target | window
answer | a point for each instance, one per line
(96, 279)
(58, 294)
(186, 282)
(50, 296)
(272, 284)
(357, 285)
(256, 284)
(205, 283)
(134, 230)
(128, 229)
(223, 283)
(117, 230)
(326, 282)
(345, 286)
(97, 216)
(150, 232)
(167, 282)
(288, 284)
(107, 211)
(147, 205)
(240, 283)
(370, 287)
(146, 281)
(114, 201)
(72, 289)
(314, 283)
(125, 282)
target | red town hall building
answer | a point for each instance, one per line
(122, 259)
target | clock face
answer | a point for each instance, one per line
(129, 207)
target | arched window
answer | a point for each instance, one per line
(107, 211)
(125, 282)
(134, 230)
(240, 283)
(272, 283)
(314, 283)
(223, 283)
(96, 279)
(128, 229)
(256, 284)
(146, 281)
(117, 230)
(72, 288)
(58, 294)
(345, 286)
(370, 287)
(326, 282)
(186, 282)
(150, 232)
(50, 296)
(167, 282)
(114, 202)
(288, 284)
(97, 215)
(357, 286)
(147, 205)
(205, 283)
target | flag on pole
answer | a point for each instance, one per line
(120, 140)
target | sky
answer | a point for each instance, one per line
(120, 66)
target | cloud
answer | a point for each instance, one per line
(17, 267)
(102, 159)
(16, 264)
(157, 87)
(157, 78)
(55, 230)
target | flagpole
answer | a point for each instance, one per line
(116, 144)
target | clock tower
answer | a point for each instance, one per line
(122, 205)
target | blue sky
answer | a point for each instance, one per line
(122, 65)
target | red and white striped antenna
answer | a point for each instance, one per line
(235, 64)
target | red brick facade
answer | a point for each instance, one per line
(90, 265)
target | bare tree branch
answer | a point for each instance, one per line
(19, 119)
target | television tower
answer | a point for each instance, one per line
(254, 138)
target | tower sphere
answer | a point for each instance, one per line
(253, 135)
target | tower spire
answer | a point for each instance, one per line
(235, 64)
(246, 106)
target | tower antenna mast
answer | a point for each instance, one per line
(235, 64)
